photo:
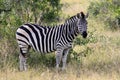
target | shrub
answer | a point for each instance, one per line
(90, 39)
(107, 11)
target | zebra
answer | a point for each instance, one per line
(44, 39)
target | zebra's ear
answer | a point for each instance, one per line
(86, 16)
(82, 15)
(78, 15)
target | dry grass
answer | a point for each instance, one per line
(51, 75)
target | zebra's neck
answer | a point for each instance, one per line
(70, 31)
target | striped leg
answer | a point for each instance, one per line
(22, 63)
(64, 58)
(59, 53)
(22, 58)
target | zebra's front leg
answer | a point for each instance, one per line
(64, 58)
(59, 53)
(23, 65)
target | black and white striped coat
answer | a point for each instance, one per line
(47, 39)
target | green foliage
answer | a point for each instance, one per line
(91, 38)
(107, 11)
(83, 49)
(14, 13)
(52, 12)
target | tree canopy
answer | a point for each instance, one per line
(13, 13)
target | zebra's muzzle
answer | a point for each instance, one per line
(84, 34)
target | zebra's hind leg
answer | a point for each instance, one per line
(23, 58)
(22, 61)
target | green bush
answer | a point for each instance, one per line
(90, 39)
(107, 11)
(15, 13)
(52, 11)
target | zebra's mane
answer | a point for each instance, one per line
(71, 18)
(56, 25)
(51, 26)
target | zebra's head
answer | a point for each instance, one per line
(82, 24)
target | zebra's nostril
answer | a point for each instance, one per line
(84, 34)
